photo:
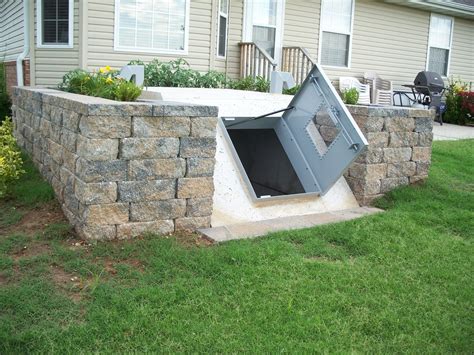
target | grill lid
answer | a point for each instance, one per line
(431, 80)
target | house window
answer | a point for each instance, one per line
(336, 32)
(55, 23)
(151, 25)
(223, 25)
(441, 30)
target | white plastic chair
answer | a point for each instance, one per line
(347, 82)
(382, 90)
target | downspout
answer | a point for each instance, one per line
(26, 44)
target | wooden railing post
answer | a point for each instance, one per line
(297, 61)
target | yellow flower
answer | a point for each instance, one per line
(105, 69)
(109, 80)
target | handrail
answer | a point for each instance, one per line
(297, 61)
(255, 61)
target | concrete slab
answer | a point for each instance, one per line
(450, 132)
(232, 201)
(261, 228)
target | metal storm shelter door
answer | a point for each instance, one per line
(306, 150)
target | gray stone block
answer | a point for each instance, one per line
(149, 148)
(155, 169)
(191, 224)
(101, 171)
(119, 109)
(180, 109)
(403, 139)
(97, 149)
(391, 183)
(106, 126)
(136, 191)
(103, 214)
(395, 155)
(421, 154)
(203, 126)
(157, 210)
(200, 167)
(423, 124)
(197, 147)
(407, 168)
(199, 207)
(161, 126)
(95, 193)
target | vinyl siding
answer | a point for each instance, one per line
(101, 37)
(51, 64)
(231, 65)
(389, 39)
(11, 29)
(462, 52)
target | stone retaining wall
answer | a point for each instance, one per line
(121, 169)
(399, 151)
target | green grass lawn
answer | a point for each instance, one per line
(401, 281)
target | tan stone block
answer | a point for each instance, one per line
(407, 168)
(395, 155)
(199, 207)
(97, 149)
(377, 139)
(96, 232)
(403, 139)
(105, 126)
(113, 213)
(418, 179)
(157, 210)
(155, 169)
(149, 190)
(191, 224)
(149, 127)
(399, 124)
(203, 126)
(421, 154)
(96, 193)
(392, 183)
(195, 187)
(422, 168)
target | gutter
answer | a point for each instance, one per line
(26, 44)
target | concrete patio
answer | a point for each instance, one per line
(451, 132)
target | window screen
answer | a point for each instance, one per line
(335, 49)
(440, 44)
(223, 18)
(438, 60)
(336, 23)
(152, 24)
(55, 21)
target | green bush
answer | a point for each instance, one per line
(104, 83)
(10, 158)
(178, 73)
(350, 96)
(455, 110)
(292, 91)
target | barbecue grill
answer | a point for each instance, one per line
(428, 88)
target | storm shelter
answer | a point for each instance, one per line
(304, 151)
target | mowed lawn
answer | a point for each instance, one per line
(401, 281)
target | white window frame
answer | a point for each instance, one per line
(119, 48)
(350, 34)
(219, 14)
(450, 42)
(39, 21)
(247, 26)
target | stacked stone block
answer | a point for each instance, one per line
(399, 151)
(121, 169)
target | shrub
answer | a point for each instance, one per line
(350, 96)
(292, 91)
(104, 83)
(10, 158)
(457, 102)
(178, 73)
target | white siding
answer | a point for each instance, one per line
(101, 37)
(462, 50)
(389, 39)
(231, 65)
(11, 29)
(51, 64)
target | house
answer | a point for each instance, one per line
(395, 38)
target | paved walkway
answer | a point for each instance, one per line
(451, 132)
(261, 228)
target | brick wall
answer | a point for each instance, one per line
(121, 169)
(11, 77)
(399, 151)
